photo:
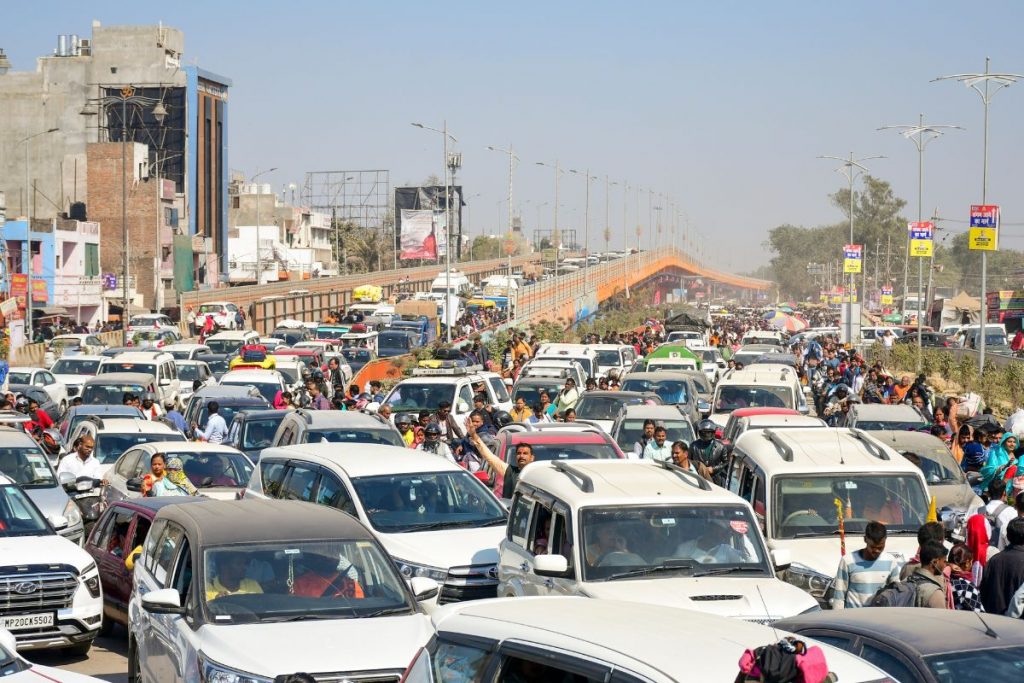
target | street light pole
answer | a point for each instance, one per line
(259, 259)
(586, 230)
(1001, 80)
(556, 236)
(920, 135)
(512, 158)
(851, 168)
(28, 234)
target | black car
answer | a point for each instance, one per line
(76, 414)
(231, 399)
(39, 395)
(253, 430)
(291, 335)
(218, 362)
(920, 645)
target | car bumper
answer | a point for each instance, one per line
(72, 626)
(75, 533)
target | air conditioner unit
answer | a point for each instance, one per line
(144, 170)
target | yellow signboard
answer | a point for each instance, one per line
(886, 300)
(921, 248)
(851, 265)
(983, 239)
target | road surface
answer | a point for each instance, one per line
(107, 660)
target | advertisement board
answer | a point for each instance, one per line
(983, 234)
(921, 239)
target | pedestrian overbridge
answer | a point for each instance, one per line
(570, 297)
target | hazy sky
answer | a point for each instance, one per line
(723, 106)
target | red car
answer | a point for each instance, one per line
(122, 527)
(555, 442)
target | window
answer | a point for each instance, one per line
(183, 571)
(300, 483)
(166, 552)
(561, 537)
(141, 532)
(519, 520)
(466, 395)
(126, 466)
(458, 662)
(149, 551)
(272, 474)
(92, 261)
(540, 534)
(736, 475)
(531, 665)
(888, 661)
(332, 492)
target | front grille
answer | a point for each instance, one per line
(360, 677)
(22, 592)
(73, 391)
(476, 582)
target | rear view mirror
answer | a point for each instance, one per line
(781, 558)
(66, 480)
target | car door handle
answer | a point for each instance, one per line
(525, 567)
(548, 583)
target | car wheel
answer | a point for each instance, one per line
(81, 649)
(133, 661)
(106, 627)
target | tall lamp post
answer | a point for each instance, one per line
(512, 159)
(28, 233)
(555, 234)
(607, 221)
(586, 229)
(259, 259)
(980, 84)
(920, 135)
(448, 230)
(851, 168)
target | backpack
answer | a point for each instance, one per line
(896, 594)
(993, 520)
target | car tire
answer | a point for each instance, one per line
(133, 661)
(80, 649)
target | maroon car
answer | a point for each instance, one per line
(122, 527)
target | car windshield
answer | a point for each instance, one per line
(735, 396)
(709, 356)
(211, 308)
(27, 467)
(937, 467)
(205, 470)
(608, 359)
(746, 359)
(387, 437)
(394, 340)
(268, 390)
(531, 392)
(983, 664)
(109, 446)
(566, 451)
(655, 366)
(259, 434)
(218, 366)
(180, 354)
(188, 372)
(356, 355)
(668, 390)
(895, 425)
(290, 335)
(806, 505)
(603, 407)
(124, 366)
(627, 542)
(419, 396)
(301, 581)
(290, 374)
(110, 394)
(19, 377)
(329, 333)
(228, 346)
(400, 503)
(631, 430)
(18, 516)
(227, 410)
(74, 366)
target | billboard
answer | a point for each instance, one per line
(921, 238)
(984, 230)
(431, 198)
(886, 298)
(852, 254)
(417, 237)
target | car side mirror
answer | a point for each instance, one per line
(704, 407)
(424, 588)
(57, 521)
(782, 558)
(554, 566)
(66, 480)
(163, 601)
(134, 484)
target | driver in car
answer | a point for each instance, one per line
(230, 578)
(608, 540)
(714, 545)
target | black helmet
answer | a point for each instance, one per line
(501, 419)
(21, 403)
(432, 430)
(149, 396)
(706, 426)
(317, 374)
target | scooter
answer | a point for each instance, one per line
(86, 492)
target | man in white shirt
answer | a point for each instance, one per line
(658, 449)
(82, 463)
(216, 428)
(567, 397)
(1015, 423)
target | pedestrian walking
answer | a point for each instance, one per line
(864, 572)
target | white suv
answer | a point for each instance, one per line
(641, 531)
(429, 386)
(759, 386)
(793, 478)
(160, 365)
(50, 593)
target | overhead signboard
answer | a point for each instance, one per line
(984, 230)
(852, 254)
(922, 239)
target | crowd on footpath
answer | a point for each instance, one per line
(46, 331)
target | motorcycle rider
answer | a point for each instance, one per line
(432, 442)
(710, 452)
(82, 463)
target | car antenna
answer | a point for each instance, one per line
(988, 629)
(767, 614)
(839, 446)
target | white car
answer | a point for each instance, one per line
(160, 365)
(641, 531)
(433, 517)
(152, 321)
(758, 386)
(115, 435)
(575, 639)
(317, 594)
(189, 371)
(73, 371)
(223, 313)
(231, 342)
(714, 365)
(216, 470)
(429, 386)
(44, 379)
(72, 344)
(185, 351)
(270, 383)
(16, 669)
(51, 596)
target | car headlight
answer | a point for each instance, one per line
(72, 513)
(807, 579)
(91, 579)
(212, 672)
(410, 570)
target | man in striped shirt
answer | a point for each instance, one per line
(863, 572)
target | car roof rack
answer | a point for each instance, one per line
(785, 450)
(693, 479)
(585, 483)
(869, 443)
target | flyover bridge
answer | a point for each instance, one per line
(569, 297)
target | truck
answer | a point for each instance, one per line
(417, 320)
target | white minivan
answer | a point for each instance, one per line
(584, 354)
(758, 386)
(159, 365)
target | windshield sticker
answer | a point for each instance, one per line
(739, 526)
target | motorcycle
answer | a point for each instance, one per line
(86, 493)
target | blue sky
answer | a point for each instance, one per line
(723, 106)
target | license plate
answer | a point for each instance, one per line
(20, 621)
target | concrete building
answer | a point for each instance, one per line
(179, 112)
